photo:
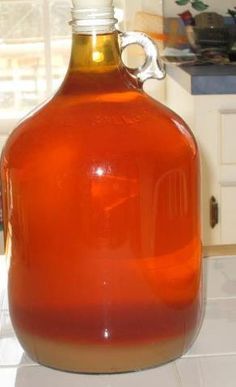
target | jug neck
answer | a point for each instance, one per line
(96, 62)
(95, 53)
(93, 16)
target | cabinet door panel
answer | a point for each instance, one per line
(228, 138)
(227, 175)
(228, 215)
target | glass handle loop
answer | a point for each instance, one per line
(152, 68)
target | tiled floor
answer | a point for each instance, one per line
(211, 362)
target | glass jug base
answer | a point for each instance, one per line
(101, 359)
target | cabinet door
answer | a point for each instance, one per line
(227, 176)
(213, 121)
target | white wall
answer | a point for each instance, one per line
(132, 6)
(220, 6)
(152, 6)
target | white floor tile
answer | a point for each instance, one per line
(208, 372)
(12, 354)
(5, 304)
(162, 376)
(221, 277)
(36, 376)
(3, 279)
(218, 333)
(8, 377)
(6, 328)
(197, 372)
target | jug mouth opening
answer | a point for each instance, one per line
(93, 20)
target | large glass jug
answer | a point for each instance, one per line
(101, 214)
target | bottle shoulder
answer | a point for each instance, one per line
(105, 122)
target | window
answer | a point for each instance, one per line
(34, 54)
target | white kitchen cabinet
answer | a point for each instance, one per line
(212, 119)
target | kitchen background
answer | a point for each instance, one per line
(35, 41)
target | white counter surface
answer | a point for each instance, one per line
(211, 362)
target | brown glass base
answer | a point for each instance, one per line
(101, 359)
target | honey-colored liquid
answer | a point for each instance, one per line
(101, 213)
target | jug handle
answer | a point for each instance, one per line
(152, 68)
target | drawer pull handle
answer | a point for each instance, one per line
(214, 212)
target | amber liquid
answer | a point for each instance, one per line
(101, 210)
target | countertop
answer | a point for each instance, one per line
(211, 362)
(205, 79)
